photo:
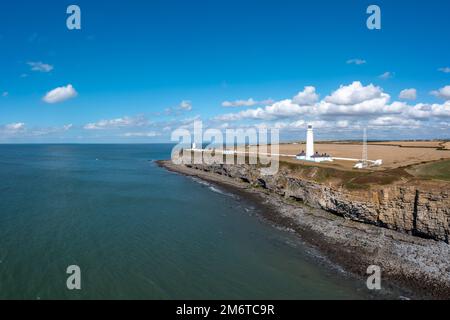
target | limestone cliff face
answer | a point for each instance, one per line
(419, 211)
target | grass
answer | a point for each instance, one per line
(350, 179)
(435, 170)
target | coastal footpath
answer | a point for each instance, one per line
(402, 227)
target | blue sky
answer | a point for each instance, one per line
(140, 69)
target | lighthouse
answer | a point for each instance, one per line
(309, 142)
(310, 155)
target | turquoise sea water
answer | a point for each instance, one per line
(140, 232)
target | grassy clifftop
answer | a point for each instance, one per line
(363, 179)
(436, 170)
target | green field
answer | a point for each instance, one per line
(435, 170)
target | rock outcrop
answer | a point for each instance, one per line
(413, 209)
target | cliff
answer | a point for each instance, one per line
(411, 207)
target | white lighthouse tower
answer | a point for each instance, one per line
(309, 142)
(310, 154)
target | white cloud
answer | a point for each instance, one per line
(246, 103)
(408, 94)
(348, 104)
(285, 108)
(356, 61)
(20, 130)
(393, 121)
(367, 107)
(36, 132)
(441, 110)
(445, 70)
(239, 103)
(354, 93)
(141, 134)
(307, 97)
(386, 75)
(117, 123)
(280, 109)
(419, 111)
(351, 100)
(14, 127)
(40, 66)
(60, 94)
(443, 93)
(12, 130)
(301, 125)
(318, 124)
(185, 105)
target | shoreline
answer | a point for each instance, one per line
(417, 267)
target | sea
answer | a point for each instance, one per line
(137, 231)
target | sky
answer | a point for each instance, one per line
(137, 70)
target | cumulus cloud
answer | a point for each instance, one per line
(347, 108)
(356, 61)
(419, 111)
(367, 107)
(443, 93)
(354, 93)
(60, 94)
(445, 70)
(307, 97)
(246, 103)
(40, 66)
(280, 109)
(296, 106)
(441, 110)
(408, 94)
(386, 75)
(117, 123)
(350, 100)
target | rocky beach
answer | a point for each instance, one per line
(351, 229)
